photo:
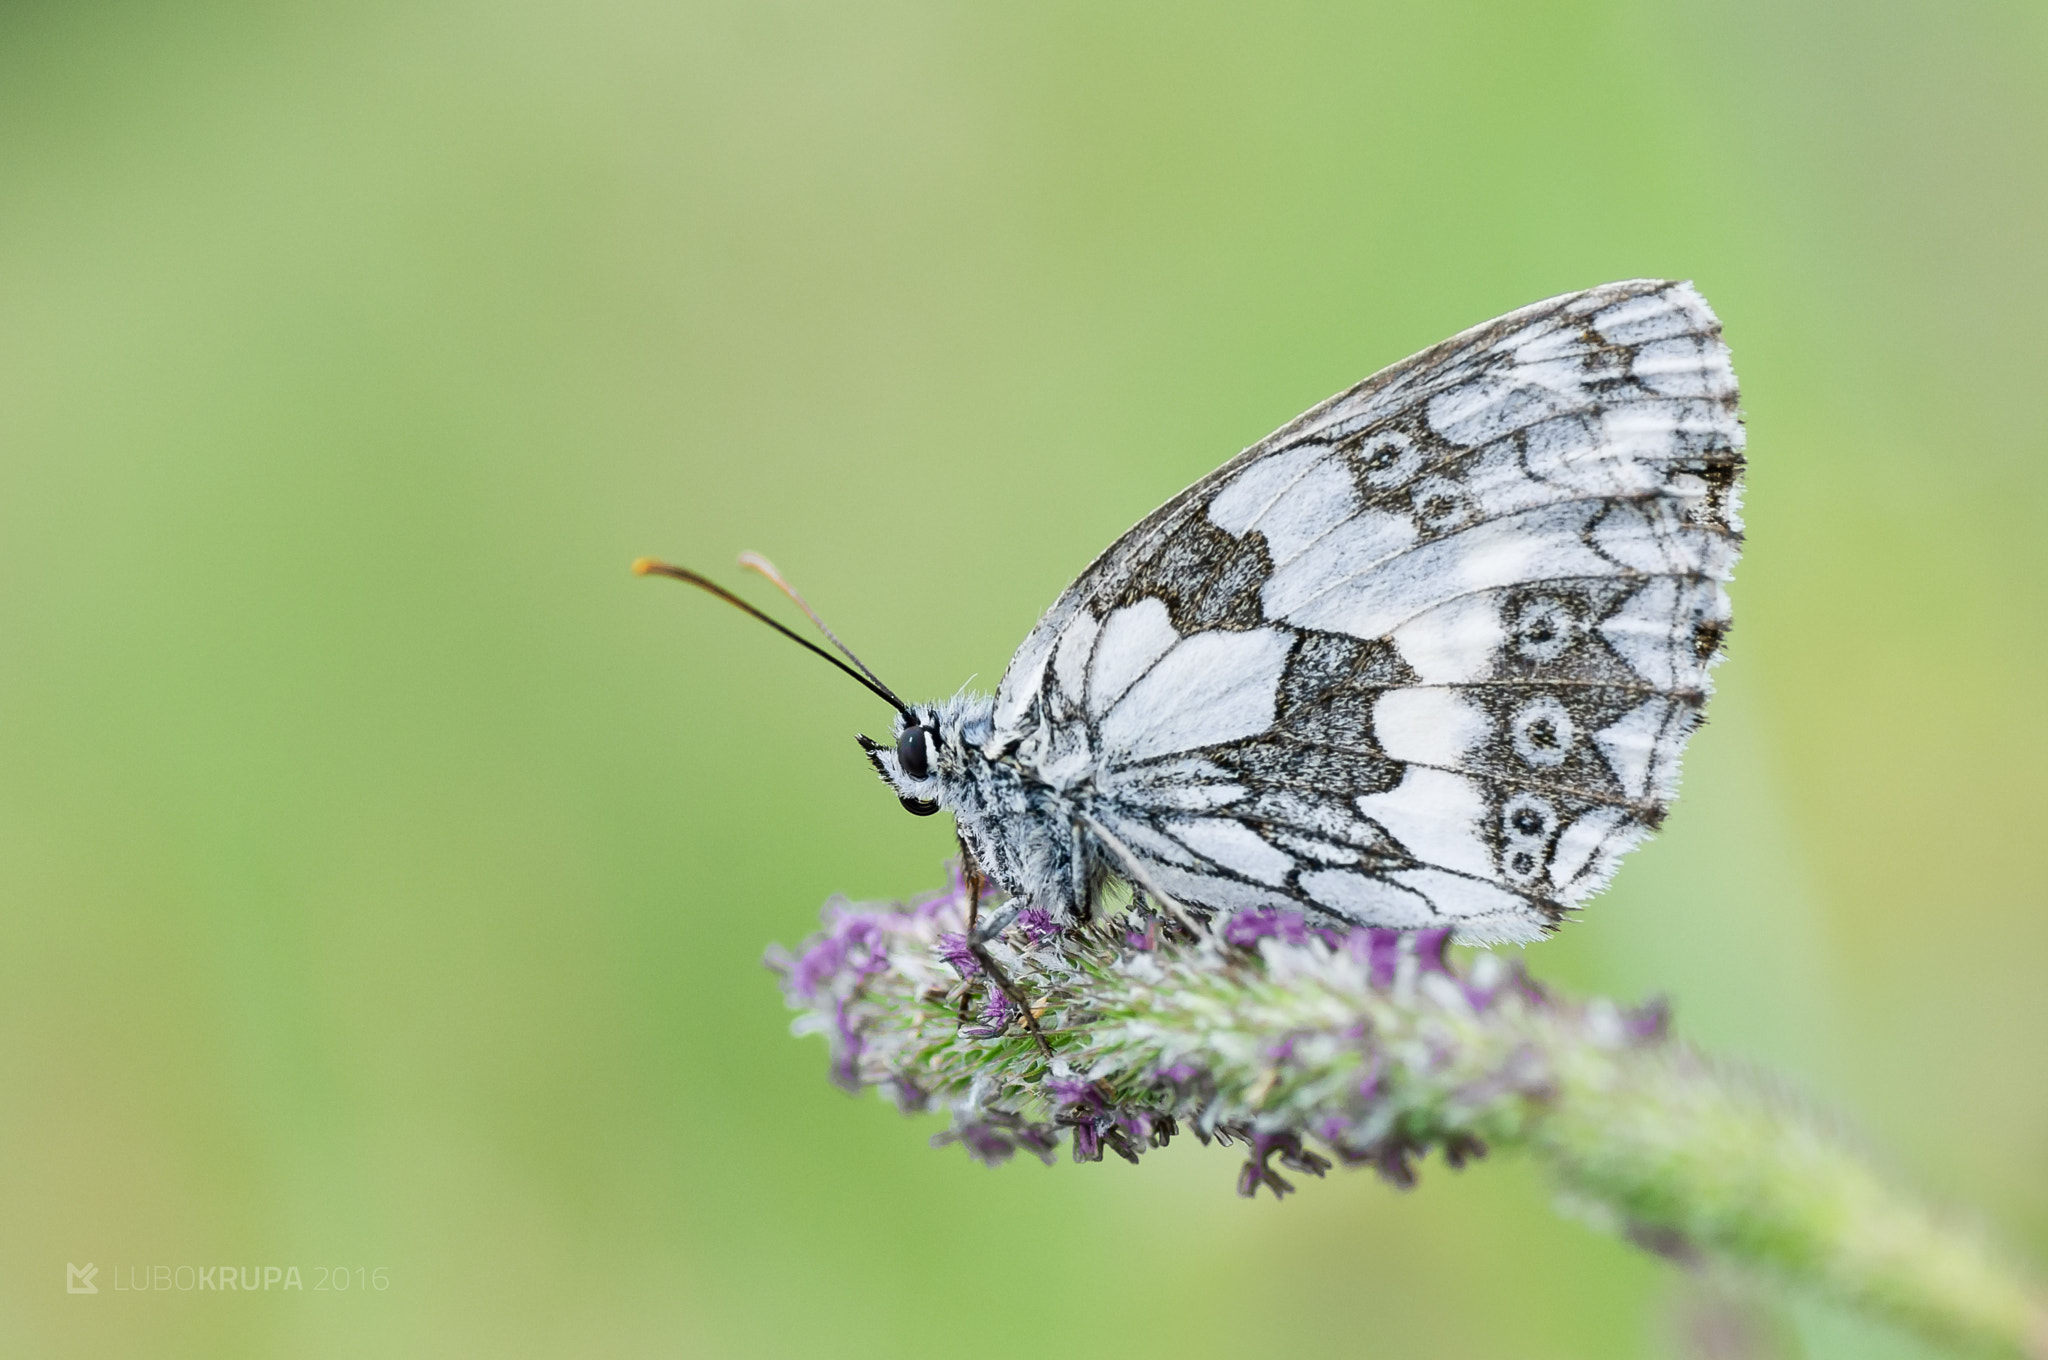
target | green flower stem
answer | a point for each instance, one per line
(1666, 1140)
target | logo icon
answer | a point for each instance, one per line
(78, 1279)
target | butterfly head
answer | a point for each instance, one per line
(914, 763)
(913, 766)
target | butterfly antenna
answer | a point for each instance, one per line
(754, 562)
(648, 566)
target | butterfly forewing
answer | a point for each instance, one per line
(1429, 654)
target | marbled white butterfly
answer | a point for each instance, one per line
(1425, 656)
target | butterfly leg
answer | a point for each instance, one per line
(970, 873)
(1130, 866)
(977, 946)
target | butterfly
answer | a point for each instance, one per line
(1426, 656)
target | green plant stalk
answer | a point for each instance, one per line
(1667, 1140)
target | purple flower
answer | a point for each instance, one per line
(846, 1053)
(992, 1138)
(955, 950)
(1075, 1093)
(1667, 1242)
(1461, 1148)
(1383, 955)
(872, 981)
(997, 1010)
(856, 943)
(1247, 928)
(1369, 1083)
(1429, 947)
(1258, 1169)
(1649, 1023)
(1391, 1160)
(1383, 1047)
(1037, 925)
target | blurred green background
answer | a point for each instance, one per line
(384, 871)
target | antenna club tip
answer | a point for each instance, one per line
(645, 566)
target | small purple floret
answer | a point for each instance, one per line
(994, 1138)
(1247, 928)
(1073, 1092)
(1383, 955)
(1460, 1148)
(1648, 1023)
(846, 1053)
(1258, 1168)
(1667, 1242)
(855, 942)
(959, 955)
(997, 1010)
(1369, 1081)
(1038, 925)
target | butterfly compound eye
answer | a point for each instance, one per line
(910, 753)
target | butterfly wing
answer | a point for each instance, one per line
(1427, 655)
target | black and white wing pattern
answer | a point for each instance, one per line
(1429, 654)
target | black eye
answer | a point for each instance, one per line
(910, 753)
(918, 807)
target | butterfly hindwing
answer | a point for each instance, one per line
(1428, 654)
